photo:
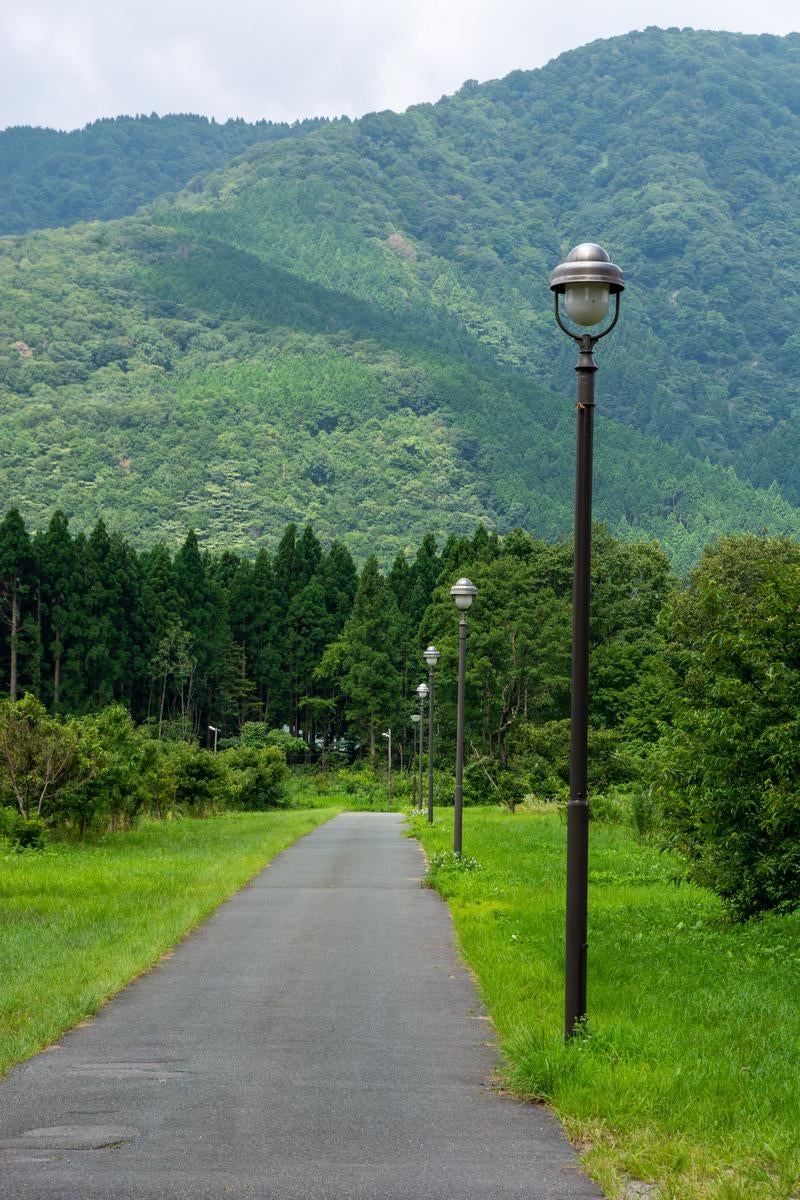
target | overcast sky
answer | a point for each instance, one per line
(66, 62)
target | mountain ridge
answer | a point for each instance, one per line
(415, 248)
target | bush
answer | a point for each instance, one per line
(22, 833)
(39, 757)
(200, 781)
(644, 810)
(256, 735)
(726, 773)
(488, 782)
(256, 778)
(543, 751)
(115, 761)
(363, 783)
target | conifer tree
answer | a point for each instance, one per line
(365, 658)
(60, 580)
(197, 617)
(425, 572)
(16, 570)
(309, 626)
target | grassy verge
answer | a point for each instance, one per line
(78, 922)
(689, 1077)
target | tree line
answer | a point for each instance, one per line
(299, 637)
(693, 711)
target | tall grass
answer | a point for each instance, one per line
(689, 1075)
(78, 922)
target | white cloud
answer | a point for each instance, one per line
(66, 64)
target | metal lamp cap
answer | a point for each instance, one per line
(463, 592)
(587, 263)
(432, 656)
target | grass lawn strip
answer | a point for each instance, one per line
(78, 922)
(689, 1078)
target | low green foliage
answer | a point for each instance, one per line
(78, 921)
(444, 862)
(22, 834)
(102, 772)
(255, 776)
(257, 735)
(686, 1077)
(726, 773)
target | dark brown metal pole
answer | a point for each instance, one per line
(421, 746)
(430, 745)
(578, 809)
(462, 671)
(389, 766)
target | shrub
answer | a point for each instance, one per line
(38, 757)
(644, 810)
(488, 782)
(21, 833)
(200, 781)
(364, 785)
(543, 750)
(727, 772)
(113, 782)
(256, 778)
(257, 736)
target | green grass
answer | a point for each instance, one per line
(689, 1076)
(78, 922)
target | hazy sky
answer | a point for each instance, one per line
(66, 62)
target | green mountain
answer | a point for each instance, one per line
(113, 166)
(354, 327)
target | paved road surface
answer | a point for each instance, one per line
(316, 1039)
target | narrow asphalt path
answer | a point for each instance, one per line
(316, 1039)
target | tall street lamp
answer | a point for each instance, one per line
(215, 730)
(463, 592)
(422, 692)
(388, 734)
(417, 719)
(586, 280)
(431, 657)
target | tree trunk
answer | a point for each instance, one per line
(57, 672)
(12, 681)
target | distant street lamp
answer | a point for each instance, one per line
(417, 719)
(586, 280)
(463, 592)
(422, 692)
(213, 729)
(431, 657)
(388, 735)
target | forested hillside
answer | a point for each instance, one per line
(111, 167)
(354, 327)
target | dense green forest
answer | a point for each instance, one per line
(112, 166)
(693, 684)
(353, 327)
(299, 637)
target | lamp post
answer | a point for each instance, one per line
(431, 657)
(586, 280)
(388, 735)
(417, 719)
(213, 729)
(463, 592)
(422, 692)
